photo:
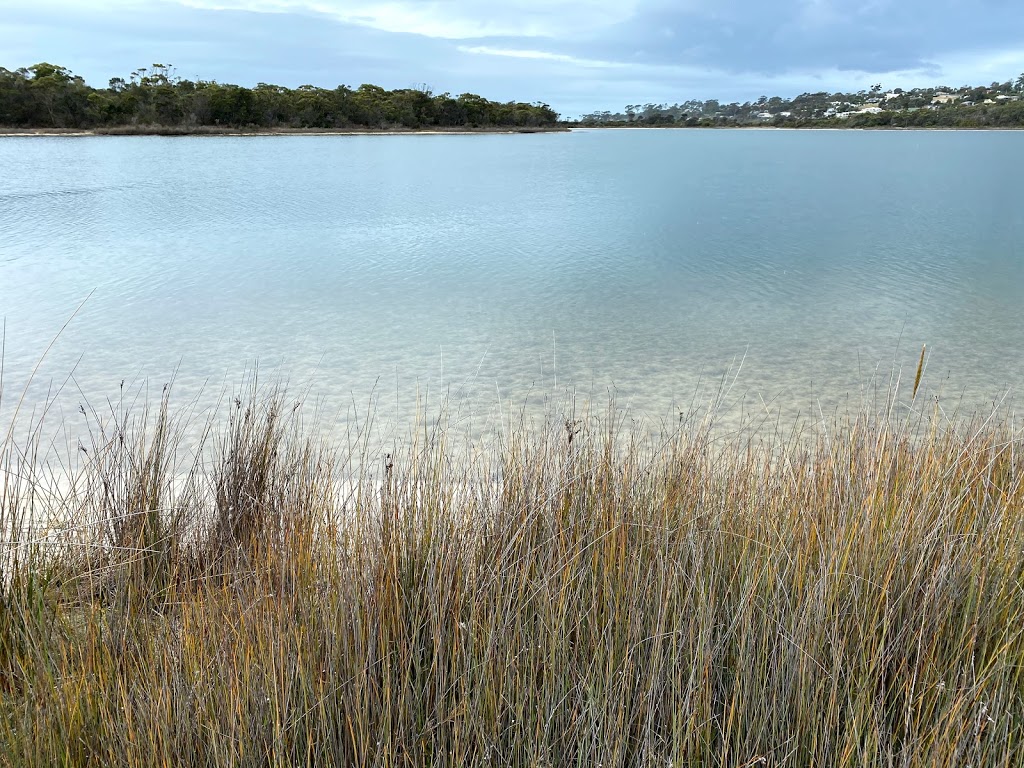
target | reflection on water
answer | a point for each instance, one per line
(503, 270)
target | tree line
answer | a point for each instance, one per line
(994, 105)
(50, 96)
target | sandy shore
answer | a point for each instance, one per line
(213, 131)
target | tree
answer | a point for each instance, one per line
(478, 109)
(60, 98)
(46, 95)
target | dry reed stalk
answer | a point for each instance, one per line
(583, 595)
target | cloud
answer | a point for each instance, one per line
(562, 58)
(982, 66)
(779, 36)
(577, 55)
(452, 19)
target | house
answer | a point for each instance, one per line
(946, 98)
(870, 110)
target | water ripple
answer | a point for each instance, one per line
(630, 261)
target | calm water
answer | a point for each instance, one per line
(508, 268)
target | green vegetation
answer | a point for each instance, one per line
(575, 595)
(51, 97)
(999, 105)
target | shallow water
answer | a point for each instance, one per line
(509, 269)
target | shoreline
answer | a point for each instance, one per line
(215, 131)
(277, 132)
(804, 128)
(1009, 129)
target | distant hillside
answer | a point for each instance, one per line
(992, 106)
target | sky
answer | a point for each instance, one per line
(576, 55)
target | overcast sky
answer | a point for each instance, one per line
(577, 55)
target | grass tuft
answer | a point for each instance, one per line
(578, 594)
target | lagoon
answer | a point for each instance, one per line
(502, 270)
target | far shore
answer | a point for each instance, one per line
(158, 130)
(805, 128)
(249, 132)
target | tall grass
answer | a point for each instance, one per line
(576, 594)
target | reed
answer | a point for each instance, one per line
(575, 594)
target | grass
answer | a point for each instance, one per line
(577, 594)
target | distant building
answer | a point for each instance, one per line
(946, 98)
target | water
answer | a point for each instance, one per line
(507, 269)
